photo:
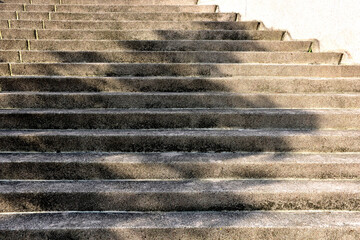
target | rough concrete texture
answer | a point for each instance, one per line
(157, 45)
(121, 16)
(178, 69)
(68, 100)
(244, 84)
(188, 195)
(180, 118)
(106, 2)
(148, 105)
(177, 165)
(108, 8)
(169, 57)
(194, 140)
(184, 225)
(130, 25)
(142, 34)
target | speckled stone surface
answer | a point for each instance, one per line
(164, 119)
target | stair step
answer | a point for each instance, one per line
(169, 57)
(177, 165)
(142, 34)
(120, 16)
(76, 100)
(156, 45)
(180, 140)
(178, 69)
(180, 195)
(182, 225)
(106, 8)
(192, 118)
(105, 2)
(181, 84)
(130, 25)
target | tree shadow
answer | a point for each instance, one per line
(95, 169)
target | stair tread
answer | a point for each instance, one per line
(185, 111)
(173, 78)
(176, 94)
(182, 132)
(182, 157)
(105, 8)
(177, 165)
(137, 220)
(114, 106)
(104, 2)
(259, 186)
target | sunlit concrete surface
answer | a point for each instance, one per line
(335, 23)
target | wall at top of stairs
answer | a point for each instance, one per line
(335, 23)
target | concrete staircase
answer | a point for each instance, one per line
(146, 119)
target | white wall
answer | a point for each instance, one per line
(335, 23)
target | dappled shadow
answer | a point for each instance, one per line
(217, 93)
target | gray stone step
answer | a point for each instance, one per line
(198, 140)
(105, 2)
(141, 34)
(182, 225)
(177, 69)
(157, 45)
(106, 8)
(180, 195)
(169, 57)
(177, 165)
(192, 118)
(76, 100)
(120, 16)
(129, 25)
(180, 84)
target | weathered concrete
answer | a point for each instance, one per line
(182, 225)
(179, 69)
(157, 45)
(180, 118)
(242, 84)
(175, 100)
(107, 8)
(121, 16)
(116, 105)
(169, 57)
(177, 165)
(131, 25)
(180, 140)
(106, 2)
(189, 195)
(142, 34)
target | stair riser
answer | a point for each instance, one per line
(300, 120)
(73, 101)
(141, 35)
(182, 142)
(175, 45)
(215, 70)
(170, 57)
(126, 16)
(110, 8)
(106, 2)
(177, 165)
(182, 225)
(179, 85)
(107, 170)
(176, 201)
(295, 233)
(160, 25)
